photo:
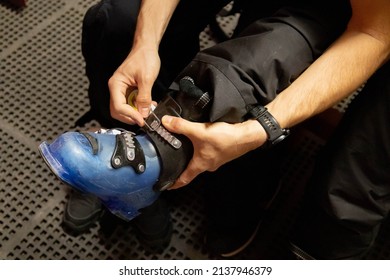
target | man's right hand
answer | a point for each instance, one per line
(139, 70)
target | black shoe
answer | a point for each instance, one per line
(81, 212)
(238, 198)
(153, 226)
(227, 239)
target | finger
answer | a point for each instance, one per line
(125, 113)
(187, 176)
(117, 97)
(117, 90)
(132, 120)
(179, 183)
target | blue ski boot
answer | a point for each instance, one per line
(126, 170)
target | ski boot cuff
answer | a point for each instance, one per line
(175, 151)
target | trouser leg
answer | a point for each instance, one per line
(263, 60)
(349, 193)
(253, 68)
(108, 31)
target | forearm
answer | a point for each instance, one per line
(152, 22)
(345, 66)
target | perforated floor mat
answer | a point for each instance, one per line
(43, 91)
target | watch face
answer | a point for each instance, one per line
(280, 138)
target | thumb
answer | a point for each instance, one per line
(144, 101)
(178, 125)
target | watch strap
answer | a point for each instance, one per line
(271, 126)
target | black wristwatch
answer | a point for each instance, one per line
(271, 126)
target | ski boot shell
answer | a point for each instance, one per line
(86, 162)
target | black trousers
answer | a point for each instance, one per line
(285, 36)
(348, 197)
(273, 44)
(107, 36)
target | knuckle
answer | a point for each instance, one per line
(144, 99)
(113, 109)
(114, 114)
(183, 181)
(110, 82)
(175, 123)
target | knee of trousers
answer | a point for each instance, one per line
(251, 69)
(108, 26)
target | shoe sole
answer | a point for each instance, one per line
(246, 244)
(299, 253)
(155, 244)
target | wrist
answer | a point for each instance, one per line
(275, 133)
(252, 134)
(145, 42)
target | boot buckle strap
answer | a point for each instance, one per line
(153, 122)
(128, 152)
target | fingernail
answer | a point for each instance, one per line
(167, 119)
(145, 112)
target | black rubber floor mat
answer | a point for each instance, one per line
(43, 91)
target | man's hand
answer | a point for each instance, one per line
(214, 143)
(139, 70)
